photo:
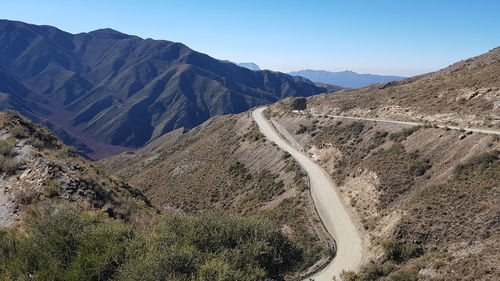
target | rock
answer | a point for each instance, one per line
(299, 104)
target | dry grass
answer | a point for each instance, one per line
(437, 188)
(226, 166)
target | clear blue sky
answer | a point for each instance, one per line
(401, 37)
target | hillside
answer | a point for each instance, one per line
(108, 92)
(427, 197)
(226, 166)
(464, 94)
(38, 171)
(347, 79)
(62, 218)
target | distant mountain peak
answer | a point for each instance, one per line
(249, 65)
(109, 33)
(346, 78)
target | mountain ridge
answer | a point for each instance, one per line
(115, 92)
(346, 78)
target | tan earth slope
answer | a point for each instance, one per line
(38, 172)
(464, 94)
(427, 196)
(227, 166)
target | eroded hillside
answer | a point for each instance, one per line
(227, 166)
(427, 197)
(37, 171)
(64, 219)
(464, 94)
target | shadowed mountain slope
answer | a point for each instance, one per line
(113, 92)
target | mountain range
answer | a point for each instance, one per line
(347, 79)
(405, 183)
(107, 92)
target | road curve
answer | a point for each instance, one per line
(476, 130)
(329, 205)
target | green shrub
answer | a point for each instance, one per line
(9, 165)
(400, 252)
(68, 244)
(403, 134)
(477, 165)
(418, 168)
(404, 274)
(6, 146)
(374, 271)
(348, 275)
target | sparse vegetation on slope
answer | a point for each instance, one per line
(463, 94)
(226, 166)
(427, 197)
(74, 244)
(68, 220)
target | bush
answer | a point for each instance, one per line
(477, 165)
(403, 134)
(6, 147)
(302, 129)
(400, 252)
(404, 275)
(69, 244)
(9, 165)
(348, 275)
(418, 168)
(51, 187)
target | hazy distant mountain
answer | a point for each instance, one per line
(249, 65)
(111, 90)
(348, 79)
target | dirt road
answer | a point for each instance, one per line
(333, 213)
(476, 130)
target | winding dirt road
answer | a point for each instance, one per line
(329, 205)
(476, 130)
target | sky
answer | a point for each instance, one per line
(399, 37)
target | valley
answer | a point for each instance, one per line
(130, 158)
(107, 92)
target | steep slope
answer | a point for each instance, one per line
(61, 218)
(37, 171)
(427, 196)
(348, 79)
(113, 91)
(227, 166)
(464, 94)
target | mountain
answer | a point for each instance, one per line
(63, 218)
(426, 196)
(226, 166)
(109, 92)
(347, 79)
(249, 65)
